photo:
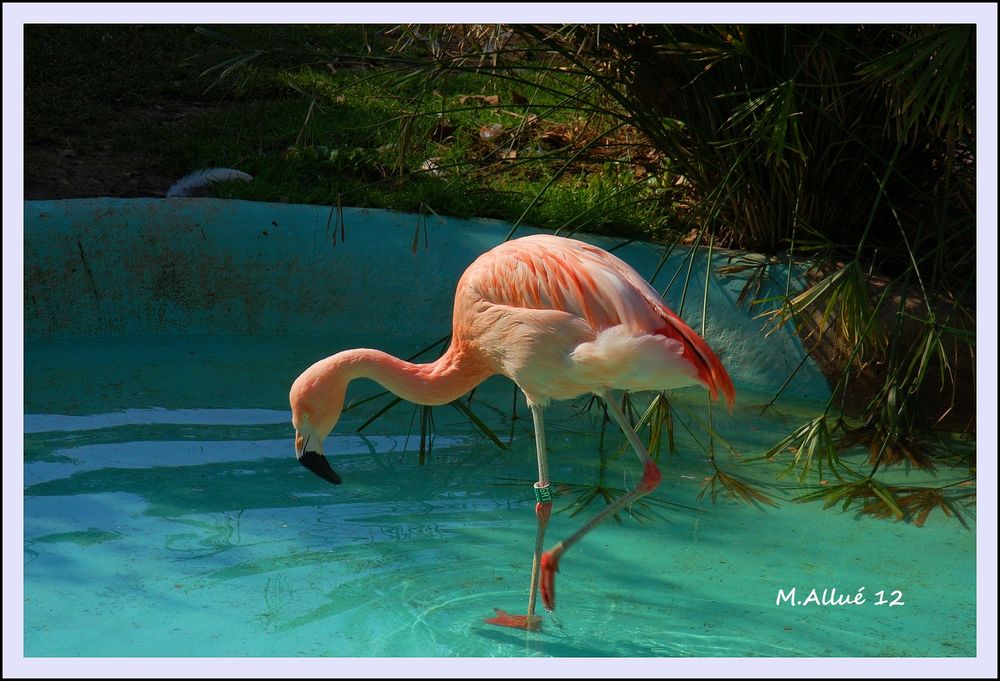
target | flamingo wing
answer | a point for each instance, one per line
(595, 288)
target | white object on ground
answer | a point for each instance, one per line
(199, 179)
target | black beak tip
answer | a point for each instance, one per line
(318, 464)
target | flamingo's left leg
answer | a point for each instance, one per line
(543, 510)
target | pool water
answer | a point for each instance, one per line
(165, 515)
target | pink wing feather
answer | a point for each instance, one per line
(552, 273)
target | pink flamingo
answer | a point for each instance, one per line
(560, 318)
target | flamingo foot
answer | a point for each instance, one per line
(505, 619)
(651, 477)
(550, 566)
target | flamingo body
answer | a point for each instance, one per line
(560, 318)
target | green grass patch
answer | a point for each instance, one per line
(326, 115)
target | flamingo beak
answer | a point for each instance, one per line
(315, 461)
(318, 464)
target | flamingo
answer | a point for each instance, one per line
(559, 317)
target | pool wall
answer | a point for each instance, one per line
(132, 267)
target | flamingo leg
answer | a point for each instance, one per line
(543, 510)
(650, 479)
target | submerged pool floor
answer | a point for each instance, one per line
(165, 515)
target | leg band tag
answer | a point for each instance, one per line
(543, 493)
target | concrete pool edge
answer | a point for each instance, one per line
(216, 267)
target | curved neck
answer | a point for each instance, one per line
(449, 377)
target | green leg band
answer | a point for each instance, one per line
(543, 493)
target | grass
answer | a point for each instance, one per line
(312, 123)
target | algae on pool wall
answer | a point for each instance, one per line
(213, 267)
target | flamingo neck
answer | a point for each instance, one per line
(449, 377)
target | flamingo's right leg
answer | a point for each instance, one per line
(650, 479)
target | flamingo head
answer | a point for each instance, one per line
(316, 407)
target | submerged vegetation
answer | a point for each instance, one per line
(846, 149)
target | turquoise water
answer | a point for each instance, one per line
(165, 515)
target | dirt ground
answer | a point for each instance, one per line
(53, 173)
(62, 170)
